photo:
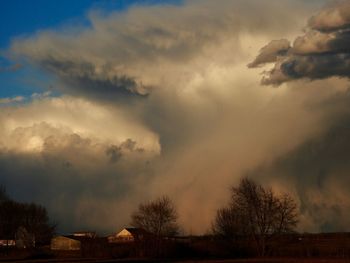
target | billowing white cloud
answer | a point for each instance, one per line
(44, 117)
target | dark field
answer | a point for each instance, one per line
(308, 248)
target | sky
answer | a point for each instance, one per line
(106, 104)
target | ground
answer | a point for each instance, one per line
(266, 260)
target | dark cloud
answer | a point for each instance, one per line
(317, 66)
(83, 78)
(115, 153)
(76, 196)
(322, 52)
(129, 144)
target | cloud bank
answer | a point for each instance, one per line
(159, 100)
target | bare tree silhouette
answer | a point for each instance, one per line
(257, 212)
(158, 217)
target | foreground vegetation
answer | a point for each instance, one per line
(256, 223)
(27, 222)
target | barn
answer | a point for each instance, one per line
(65, 243)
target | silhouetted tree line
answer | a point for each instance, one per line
(24, 220)
(256, 221)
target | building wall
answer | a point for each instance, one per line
(65, 243)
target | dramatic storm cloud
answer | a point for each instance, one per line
(159, 100)
(322, 52)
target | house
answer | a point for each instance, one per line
(65, 243)
(128, 235)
